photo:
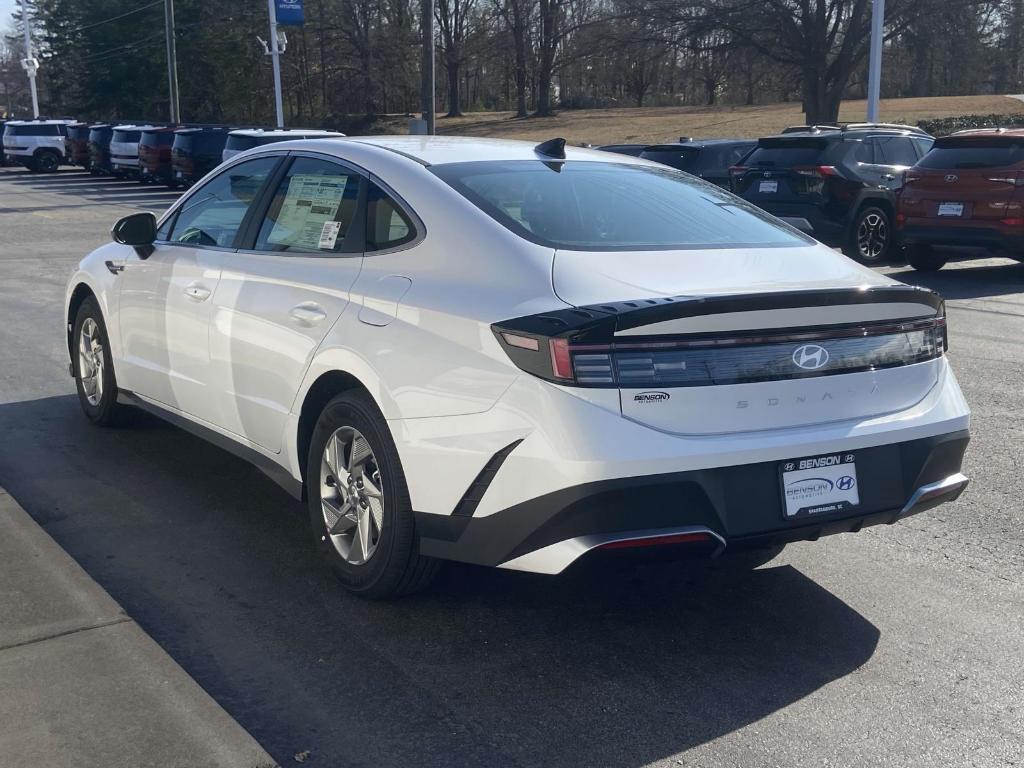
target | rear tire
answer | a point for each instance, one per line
(46, 162)
(359, 508)
(869, 239)
(93, 367)
(924, 258)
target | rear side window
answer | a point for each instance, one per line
(213, 214)
(788, 154)
(596, 206)
(387, 225)
(975, 154)
(895, 150)
(313, 210)
(34, 130)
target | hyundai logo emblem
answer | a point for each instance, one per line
(767, 174)
(810, 357)
(845, 483)
(951, 177)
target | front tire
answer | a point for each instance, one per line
(924, 258)
(93, 367)
(869, 238)
(360, 514)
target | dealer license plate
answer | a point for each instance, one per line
(819, 485)
(768, 186)
(951, 209)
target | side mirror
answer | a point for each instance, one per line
(137, 230)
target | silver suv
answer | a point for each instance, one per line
(36, 144)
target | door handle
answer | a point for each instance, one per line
(888, 177)
(113, 267)
(197, 292)
(307, 314)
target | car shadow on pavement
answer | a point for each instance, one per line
(971, 282)
(616, 667)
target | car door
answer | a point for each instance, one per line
(165, 298)
(894, 154)
(282, 291)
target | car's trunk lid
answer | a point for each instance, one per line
(717, 341)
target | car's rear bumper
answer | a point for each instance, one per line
(724, 508)
(995, 238)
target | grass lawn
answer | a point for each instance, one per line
(654, 124)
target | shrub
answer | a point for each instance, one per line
(943, 126)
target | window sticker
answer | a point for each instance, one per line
(329, 234)
(311, 202)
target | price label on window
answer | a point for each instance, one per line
(310, 205)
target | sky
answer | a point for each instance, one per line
(6, 9)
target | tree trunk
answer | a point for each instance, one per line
(452, 70)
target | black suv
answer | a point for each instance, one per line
(709, 159)
(837, 183)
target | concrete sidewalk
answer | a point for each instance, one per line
(81, 685)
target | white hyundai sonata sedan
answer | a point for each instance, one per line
(516, 355)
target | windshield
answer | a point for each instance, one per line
(157, 139)
(785, 154)
(128, 137)
(611, 206)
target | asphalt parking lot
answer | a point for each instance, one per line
(898, 646)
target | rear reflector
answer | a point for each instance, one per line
(523, 342)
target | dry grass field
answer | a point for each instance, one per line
(654, 124)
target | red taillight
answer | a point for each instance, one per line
(698, 537)
(561, 360)
(901, 219)
(1013, 222)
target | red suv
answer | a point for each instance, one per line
(967, 191)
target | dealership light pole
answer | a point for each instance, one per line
(30, 64)
(172, 61)
(275, 54)
(427, 65)
(875, 59)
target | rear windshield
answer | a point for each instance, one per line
(79, 132)
(33, 130)
(157, 139)
(681, 158)
(613, 207)
(241, 142)
(200, 143)
(127, 136)
(787, 154)
(100, 135)
(973, 155)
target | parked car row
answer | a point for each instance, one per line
(873, 189)
(166, 154)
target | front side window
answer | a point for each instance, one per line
(608, 206)
(213, 214)
(387, 225)
(313, 210)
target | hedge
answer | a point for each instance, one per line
(943, 126)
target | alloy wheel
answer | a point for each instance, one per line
(351, 495)
(90, 361)
(872, 236)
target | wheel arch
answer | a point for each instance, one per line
(81, 292)
(324, 388)
(877, 199)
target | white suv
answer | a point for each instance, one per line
(124, 149)
(515, 356)
(242, 139)
(36, 144)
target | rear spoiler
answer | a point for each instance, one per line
(599, 322)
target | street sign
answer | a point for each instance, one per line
(289, 12)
